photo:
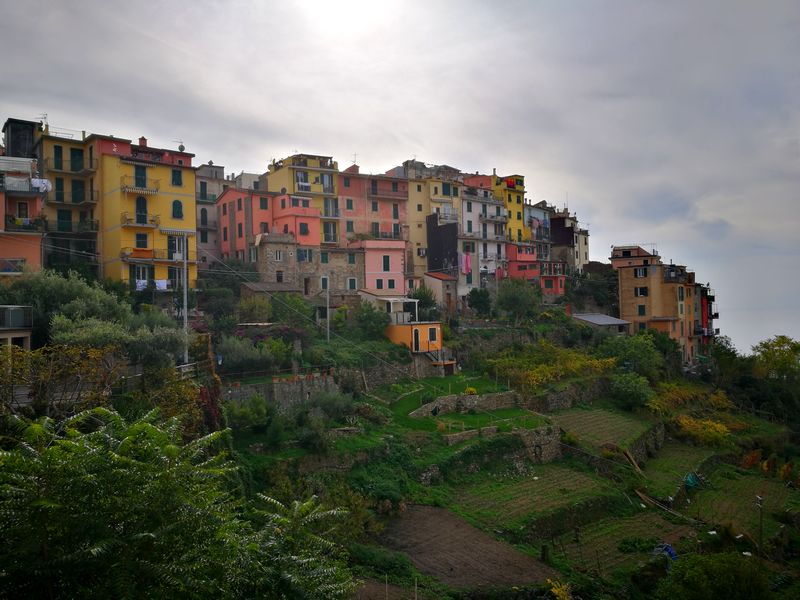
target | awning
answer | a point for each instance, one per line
(177, 231)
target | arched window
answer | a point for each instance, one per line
(203, 216)
(177, 209)
(141, 209)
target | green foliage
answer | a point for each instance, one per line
(631, 545)
(381, 562)
(252, 412)
(428, 310)
(480, 301)
(218, 302)
(637, 354)
(371, 322)
(99, 507)
(240, 355)
(253, 310)
(90, 332)
(727, 576)
(292, 310)
(518, 298)
(229, 275)
(778, 358)
(157, 348)
(629, 390)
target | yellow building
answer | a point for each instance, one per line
(511, 190)
(314, 177)
(147, 212)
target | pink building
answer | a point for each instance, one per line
(384, 264)
(296, 215)
(373, 205)
(21, 221)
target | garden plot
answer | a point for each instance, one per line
(666, 471)
(512, 501)
(619, 543)
(596, 426)
(730, 497)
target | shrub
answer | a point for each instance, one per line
(251, 412)
(630, 390)
(470, 391)
(240, 355)
(702, 431)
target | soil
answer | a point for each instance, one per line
(375, 590)
(444, 546)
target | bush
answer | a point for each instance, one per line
(241, 356)
(629, 390)
(251, 412)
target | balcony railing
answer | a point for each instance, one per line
(37, 223)
(330, 238)
(714, 315)
(18, 183)
(66, 258)
(330, 213)
(490, 218)
(15, 317)
(69, 165)
(401, 318)
(12, 266)
(128, 219)
(74, 198)
(139, 185)
(209, 224)
(448, 216)
(160, 254)
(378, 193)
(390, 235)
(85, 226)
(205, 198)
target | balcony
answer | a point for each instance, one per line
(12, 266)
(155, 254)
(448, 216)
(210, 198)
(29, 224)
(65, 258)
(489, 218)
(208, 225)
(15, 317)
(389, 235)
(142, 186)
(85, 226)
(699, 330)
(82, 166)
(330, 213)
(712, 295)
(74, 198)
(128, 219)
(395, 195)
(18, 184)
(330, 238)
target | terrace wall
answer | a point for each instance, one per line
(461, 403)
(285, 393)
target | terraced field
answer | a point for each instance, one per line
(666, 471)
(730, 498)
(599, 542)
(597, 426)
(510, 502)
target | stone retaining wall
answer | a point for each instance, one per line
(284, 393)
(648, 444)
(451, 439)
(543, 444)
(462, 403)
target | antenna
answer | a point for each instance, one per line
(355, 157)
(181, 147)
(43, 117)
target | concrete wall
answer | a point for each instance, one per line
(285, 393)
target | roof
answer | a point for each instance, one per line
(260, 286)
(600, 319)
(441, 276)
(390, 295)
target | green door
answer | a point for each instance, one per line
(75, 159)
(64, 220)
(140, 176)
(78, 190)
(58, 157)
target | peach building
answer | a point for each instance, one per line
(22, 224)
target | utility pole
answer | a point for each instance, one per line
(186, 297)
(328, 307)
(760, 506)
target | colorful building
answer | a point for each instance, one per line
(210, 182)
(373, 205)
(243, 214)
(384, 264)
(511, 190)
(22, 222)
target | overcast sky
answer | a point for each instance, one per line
(673, 123)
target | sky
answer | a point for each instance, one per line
(667, 123)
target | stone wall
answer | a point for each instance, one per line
(452, 439)
(365, 380)
(584, 391)
(543, 444)
(462, 403)
(284, 393)
(648, 444)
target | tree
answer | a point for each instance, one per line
(630, 390)
(292, 310)
(100, 507)
(518, 298)
(371, 321)
(778, 358)
(728, 576)
(426, 307)
(218, 302)
(480, 301)
(637, 354)
(228, 274)
(253, 310)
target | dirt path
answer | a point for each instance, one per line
(448, 548)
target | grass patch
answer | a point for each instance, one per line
(666, 472)
(597, 426)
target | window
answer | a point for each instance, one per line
(278, 255)
(469, 206)
(177, 177)
(643, 326)
(386, 263)
(642, 310)
(295, 202)
(396, 230)
(455, 191)
(252, 252)
(680, 293)
(238, 230)
(139, 176)
(285, 229)
(203, 216)
(203, 238)
(348, 203)
(278, 276)
(519, 216)
(445, 189)
(411, 284)
(419, 187)
(141, 240)
(58, 157)
(352, 284)
(283, 202)
(519, 199)
(347, 184)
(640, 292)
(263, 227)
(391, 283)
(351, 258)
(469, 226)
(177, 209)
(323, 257)
(469, 277)
(436, 190)
(304, 255)
(374, 206)
(379, 284)
(323, 281)
(640, 272)
(394, 186)
(548, 284)
(263, 203)
(239, 204)
(349, 227)
(432, 334)
(224, 209)
(395, 211)
(419, 207)
(376, 229)
(303, 228)
(301, 178)
(59, 189)
(224, 234)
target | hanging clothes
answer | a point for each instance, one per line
(161, 285)
(141, 284)
(467, 263)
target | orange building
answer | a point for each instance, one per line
(22, 225)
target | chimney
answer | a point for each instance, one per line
(143, 142)
(494, 171)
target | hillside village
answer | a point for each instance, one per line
(397, 385)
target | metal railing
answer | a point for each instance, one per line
(139, 185)
(55, 259)
(378, 193)
(331, 213)
(69, 165)
(73, 198)
(330, 238)
(37, 223)
(208, 197)
(139, 219)
(15, 317)
(85, 226)
(162, 254)
(501, 218)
